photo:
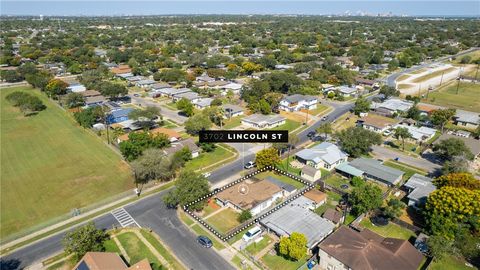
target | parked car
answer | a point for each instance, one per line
(311, 134)
(387, 133)
(250, 165)
(204, 241)
(324, 118)
(252, 233)
(206, 174)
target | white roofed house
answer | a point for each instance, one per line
(325, 155)
(192, 96)
(260, 121)
(231, 111)
(202, 103)
(392, 106)
(170, 92)
(418, 188)
(144, 83)
(467, 119)
(420, 134)
(346, 91)
(297, 102)
(234, 87)
(204, 78)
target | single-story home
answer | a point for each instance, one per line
(202, 103)
(192, 96)
(372, 169)
(93, 98)
(118, 115)
(350, 249)
(121, 69)
(467, 119)
(310, 173)
(283, 67)
(317, 197)
(391, 106)
(427, 109)
(232, 111)
(108, 260)
(419, 134)
(169, 92)
(260, 121)
(471, 143)
(144, 83)
(346, 91)
(173, 136)
(234, 87)
(365, 82)
(418, 188)
(297, 217)
(204, 78)
(325, 155)
(336, 217)
(159, 85)
(179, 145)
(76, 87)
(376, 123)
(255, 196)
(298, 102)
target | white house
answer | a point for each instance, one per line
(325, 155)
(260, 121)
(346, 91)
(392, 106)
(202, 103)
(420, 134)
(192, 96)
(297, 102)
(76, 88)
(467, 119)
(232, 111)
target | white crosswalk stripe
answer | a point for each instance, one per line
(124, 218)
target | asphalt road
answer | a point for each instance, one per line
(173, 115)
(385, 153)
(150, 212)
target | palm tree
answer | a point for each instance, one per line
(402, 133)
(219, 113)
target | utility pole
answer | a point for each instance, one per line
(441, 78)
(476, 73)
(458, 84)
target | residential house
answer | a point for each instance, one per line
(392, 106)
(346, 91)
(121, 69)
(134, 79)
(170, 92)
(202, 103)
(144, 83)
(217, 84)
(108, 261)
(256, 197)
(420, 134)
(365, 82)
(426, 109)
(472, 144)
(310, 173)
(376, 123)
(287, 189)
(204, 78)
(76, 87)
(125, 76)
(93, 98)
(298, 102)
(173, 136)
(283, 67)
(100, 52)
(317, 197)
(467, 119)
(234, 87)
(325, 155)
(297, 217)
(260, 121)
(231, 111)
(57, 69)
(179, 145)
(159, 85)
(336, 217)
(372, 169)
(118, 115)
(366, 250)
(191, 96)
(418, 188)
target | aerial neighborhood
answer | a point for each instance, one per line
(103, 166)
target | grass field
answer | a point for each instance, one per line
(256, 247)
(136, 249)
(289, 125)
(433, 75)
(282, 178)
(409, 170)
(468, 97)
(233, 122)
(224, 220)
(48, 160)
(390, 230)
(162, 250)
(208, 158)
(279, 262)
(449, 262)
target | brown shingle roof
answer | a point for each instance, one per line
(102, 261)
(257, 192)
(90, 93)
(169, 132)
(315, 195)
(141, 265)
(377, 121)
(121, 69)
(368, 251)
(333, 215)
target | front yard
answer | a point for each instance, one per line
(208, 158)
(282, 178)
(233, 122)
(255, 247)
(224, 220)
(289, 125)
(391, 230)
(274, 262)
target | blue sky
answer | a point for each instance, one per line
(159, 7)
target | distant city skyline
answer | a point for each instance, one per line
(116, 8)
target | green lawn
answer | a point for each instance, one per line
(171, 106)
(432, 75)
(278, 262)
(185, 218)
(450, 263)
(233, 122)
(49, 161)
(201, 231)
(349, 218)
(162, 250)
(292, 170)
(409, 170)
(255, 248)
(136, 249)
(390, 230)
(336, 181)
(289, 125)
(468, 97)
(320, 109)
(224, 220)
(280, 177)
(111, 246)
(208, 158)
(238, 262)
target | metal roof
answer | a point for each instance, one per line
(377, 169)
(328, 152)
(281, 184)
(345, 167)
(422, 186)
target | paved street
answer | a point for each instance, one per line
(385, 153)
(173, 115)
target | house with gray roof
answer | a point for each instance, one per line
(298, 102)
(202, 103)
(261, 121)
(310, 173)
(467, 119)
(325, 155)
(192, 96)
(346, 90)
(170, 92)
(231, 110)
(418, 187)
(391, 106)
(144, 83)
(297, 217)
(375, 170)
(286, 188)
(160, 85)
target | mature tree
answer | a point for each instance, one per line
(357, 181)
(414, 113)
(112, 90)
(365, 198)
(394, 208)
(150, 113)
(216, 102)
(208, 147)
(292, 141)
(441, 117)
(403, 134)
(171, 75)
(11, 76)
(84, 239)
(458, 180)
(244, 216)
(250, 67)
(459, 164)
(139, 141)
(389, 91)
(39, 79)
(361, 105)
(188, 187)
(152, 165)
(450, 148)
(357, 141)
(74, 100)
(185, 106)
(267, 157)
(56, 87)
(325, 129)
(196, 123)
(439, 247)
(293, 247)
(27, 103)
(182, 156)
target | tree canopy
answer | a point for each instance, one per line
(357, 141)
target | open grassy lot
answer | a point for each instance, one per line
(449, 262)
(256, 247)
(279, 262)
(320, 109)
(409, 170)
(432, 75)
(280, 177)
(209, 158)
(224, 220)
(233, 122)
(335, 180)
(48, 161)
(283, 166)
(162, 250)
(345, 121)
(390, 230)
(136, 249)
(468, 97)
(289, 125)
